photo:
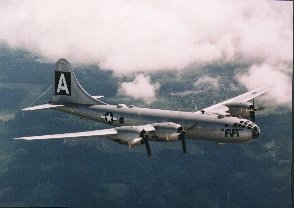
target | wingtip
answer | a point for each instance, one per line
(264, 88)
(25, 138)
(270, 86)
(26, 109)
(19, 138)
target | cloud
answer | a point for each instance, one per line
(262, 75)
(140, 88)
(207, 82)
(146, 36)
(127, 36)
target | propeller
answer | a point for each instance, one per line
(182, 138)
(252, 111)
(145, 141)
(252, 106)
(252, 116)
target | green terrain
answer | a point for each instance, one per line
(100, 173)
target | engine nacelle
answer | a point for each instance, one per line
(131, 135)
(166, 132)
(240, 109)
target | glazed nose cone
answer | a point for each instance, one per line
(255, 132)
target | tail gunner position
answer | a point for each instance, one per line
(225, 122)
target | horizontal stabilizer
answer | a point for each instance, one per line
(41, 107)
(72, 135)
(97, 97)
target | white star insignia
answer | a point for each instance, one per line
(108, 118)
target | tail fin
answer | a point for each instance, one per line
(67, 88)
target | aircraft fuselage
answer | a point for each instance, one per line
(199, 126)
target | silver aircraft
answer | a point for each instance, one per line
(231, 121)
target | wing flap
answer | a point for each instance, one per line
(72, 135)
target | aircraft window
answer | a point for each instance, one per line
(248, 127)
(235, 124)
(220, 116)
(246, 122)
(121, 120)
(241, 121)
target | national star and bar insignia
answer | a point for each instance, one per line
(109, 118)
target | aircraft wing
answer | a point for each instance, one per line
(221, 108)
(72, 135)
(129, 135)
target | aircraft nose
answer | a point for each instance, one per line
(255, 132)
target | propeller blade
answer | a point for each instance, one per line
(145, 141)
(252, 116)
(190, 127)
(252, 106)
(147, 145)
(183, 139)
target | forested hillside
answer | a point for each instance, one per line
(100, 173)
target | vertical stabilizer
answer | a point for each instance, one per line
(67, 88)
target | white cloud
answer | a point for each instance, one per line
(135, 36)
(207, 82)
(128, 36)
(140, 88)
(262, 75)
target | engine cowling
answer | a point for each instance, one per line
(131, 135)
(166, 132)
(241, 109)
(136, 135)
